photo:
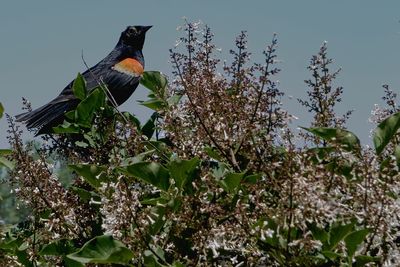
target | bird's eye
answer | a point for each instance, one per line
(132, 30)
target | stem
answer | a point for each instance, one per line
(24, 158)
(290, 213)
(105, 89)
(290, 205)
(142, 235)
(268, 60)
(366, 189)
(189, 46)
(206, 43)
(218, 146)
(33, 262)
(238, 80)
(378, 220)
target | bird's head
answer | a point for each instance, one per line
(134, 36)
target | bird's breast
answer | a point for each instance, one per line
(129, 66)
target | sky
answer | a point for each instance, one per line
(42, 42)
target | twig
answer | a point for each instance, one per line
(261, 89)
(218, 146)
(135, 221)
(104, 87)
(22, 157)
(380, 215)
(43, 160)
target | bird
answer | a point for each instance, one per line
(120, 71)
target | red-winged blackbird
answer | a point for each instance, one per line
(120, 71)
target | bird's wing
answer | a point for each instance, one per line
(114, 75)
(117, 75)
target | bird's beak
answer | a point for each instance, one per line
(146, 28)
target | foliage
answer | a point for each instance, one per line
(215, 177)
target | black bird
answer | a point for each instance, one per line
(120, 71)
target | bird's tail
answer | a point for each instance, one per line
(45, 117)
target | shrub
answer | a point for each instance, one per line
(215, 177)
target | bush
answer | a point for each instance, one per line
(215, 177)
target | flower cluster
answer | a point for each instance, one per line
(232, 111)
(216, 176)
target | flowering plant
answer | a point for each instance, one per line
(216, 177)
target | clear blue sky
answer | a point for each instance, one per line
(41, 44)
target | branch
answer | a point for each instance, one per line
(104, 87)
(269, 57)
(218, 146)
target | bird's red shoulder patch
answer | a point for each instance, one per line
(129, 66)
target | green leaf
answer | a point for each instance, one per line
(345, 138)
(183, 171)
(385, 163)
(51, 249)
(66, 127)
(318, 233)
(71, 263)
(157, 219)
(159, 146)
(337, 233)
(150, 172)
(135, 121)
(220, 171)
(385, 132)
(23, 258)
(103, 249)
(175, 204)
(353, 240)
(81, 144)
(92, 174)
(149, 128)
(5, 152)
(23, 246)
(174, 99)
(1, 110)
(154, 104)
(151, 260)
(58, 248)
(154, 81)
(154, 201)
(231, 182)
(70, 115)
(10, 242)
(85, 195)
(89, 139)
(317, 154)
(138, 158)
(213, 153)
(362, 260)
(252, 179)
(397, 155)
(330, 255)
(178, 264)
(79, 87)
(86, 109)
(6, 163)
